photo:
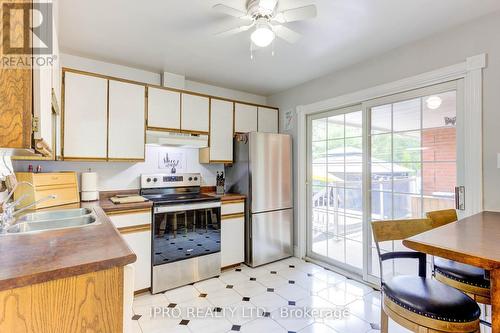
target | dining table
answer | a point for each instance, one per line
(474, 240)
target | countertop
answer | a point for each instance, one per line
(39, 257)
(27, 259)
(227, 197)
(108, 206)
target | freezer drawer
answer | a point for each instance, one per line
(271, 237)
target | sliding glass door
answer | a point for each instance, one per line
(396, 157)
(336, 188)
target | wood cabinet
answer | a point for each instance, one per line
(16, 97)
(85, 130)
(135, 227)
(232, 233)
(268, 120)
(15, 109)
(64, 185)
(26, 117)
(164, 109)
(90, 302)
(245, 118)
(195, 114)
(126, 137)
(220, 149)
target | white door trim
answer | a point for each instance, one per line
(471, 70)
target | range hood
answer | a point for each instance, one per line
(171, 139)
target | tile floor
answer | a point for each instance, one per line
(267, 299)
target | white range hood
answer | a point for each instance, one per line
(172, 139)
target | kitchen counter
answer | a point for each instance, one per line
(227, 197)
(28, 259)
(109, 207)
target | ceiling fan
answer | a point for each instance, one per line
(263, 15)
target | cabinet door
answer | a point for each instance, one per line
(245, 118)
(164, 109)
(195, 113)
(268, 120)
(126, 121)
(221, 131)
(42, 92)
(56, 88)
(85, 116)
(42, 106)
(140, 244)
(232, 241)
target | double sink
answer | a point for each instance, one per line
(53, 220)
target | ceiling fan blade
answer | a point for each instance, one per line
(234, 31)
(229, 10)
(287, 34)
(297, 14)
(268, 4)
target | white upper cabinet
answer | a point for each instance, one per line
(164, 109)
(268, 120)
(85, 116)
(195, 113)
(126, 121)
(245, 118)
(221, 131)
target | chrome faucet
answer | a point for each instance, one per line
(7, 216)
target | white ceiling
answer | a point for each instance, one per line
(178, 36)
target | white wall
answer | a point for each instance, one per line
(121, 176)
(443, 49)
(224, 92)
(106, 68)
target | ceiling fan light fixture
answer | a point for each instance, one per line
(263, 35)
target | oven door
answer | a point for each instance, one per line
(185, 231)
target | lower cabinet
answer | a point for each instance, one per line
(135, 229)
(232, 234)
(140, 244)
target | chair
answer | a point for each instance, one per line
(469, 279)
(418, 303)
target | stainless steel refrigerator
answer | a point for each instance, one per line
(262, 170)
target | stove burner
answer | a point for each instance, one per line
(178, 198)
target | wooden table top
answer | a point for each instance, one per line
(474, 240)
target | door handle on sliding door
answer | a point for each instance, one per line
(460, 197)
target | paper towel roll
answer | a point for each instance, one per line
(89, 181)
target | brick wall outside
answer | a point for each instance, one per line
(441, 146)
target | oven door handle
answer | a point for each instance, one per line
(185, 207)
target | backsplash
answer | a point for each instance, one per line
(121, 176)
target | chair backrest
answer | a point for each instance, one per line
(394, 230)
(442, 217)
(399, 229)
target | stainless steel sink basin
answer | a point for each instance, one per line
(54, 215)
(62, 223)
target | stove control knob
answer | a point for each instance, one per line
(148, 180)
(155, 180)
(195, 178)
(190, 178)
